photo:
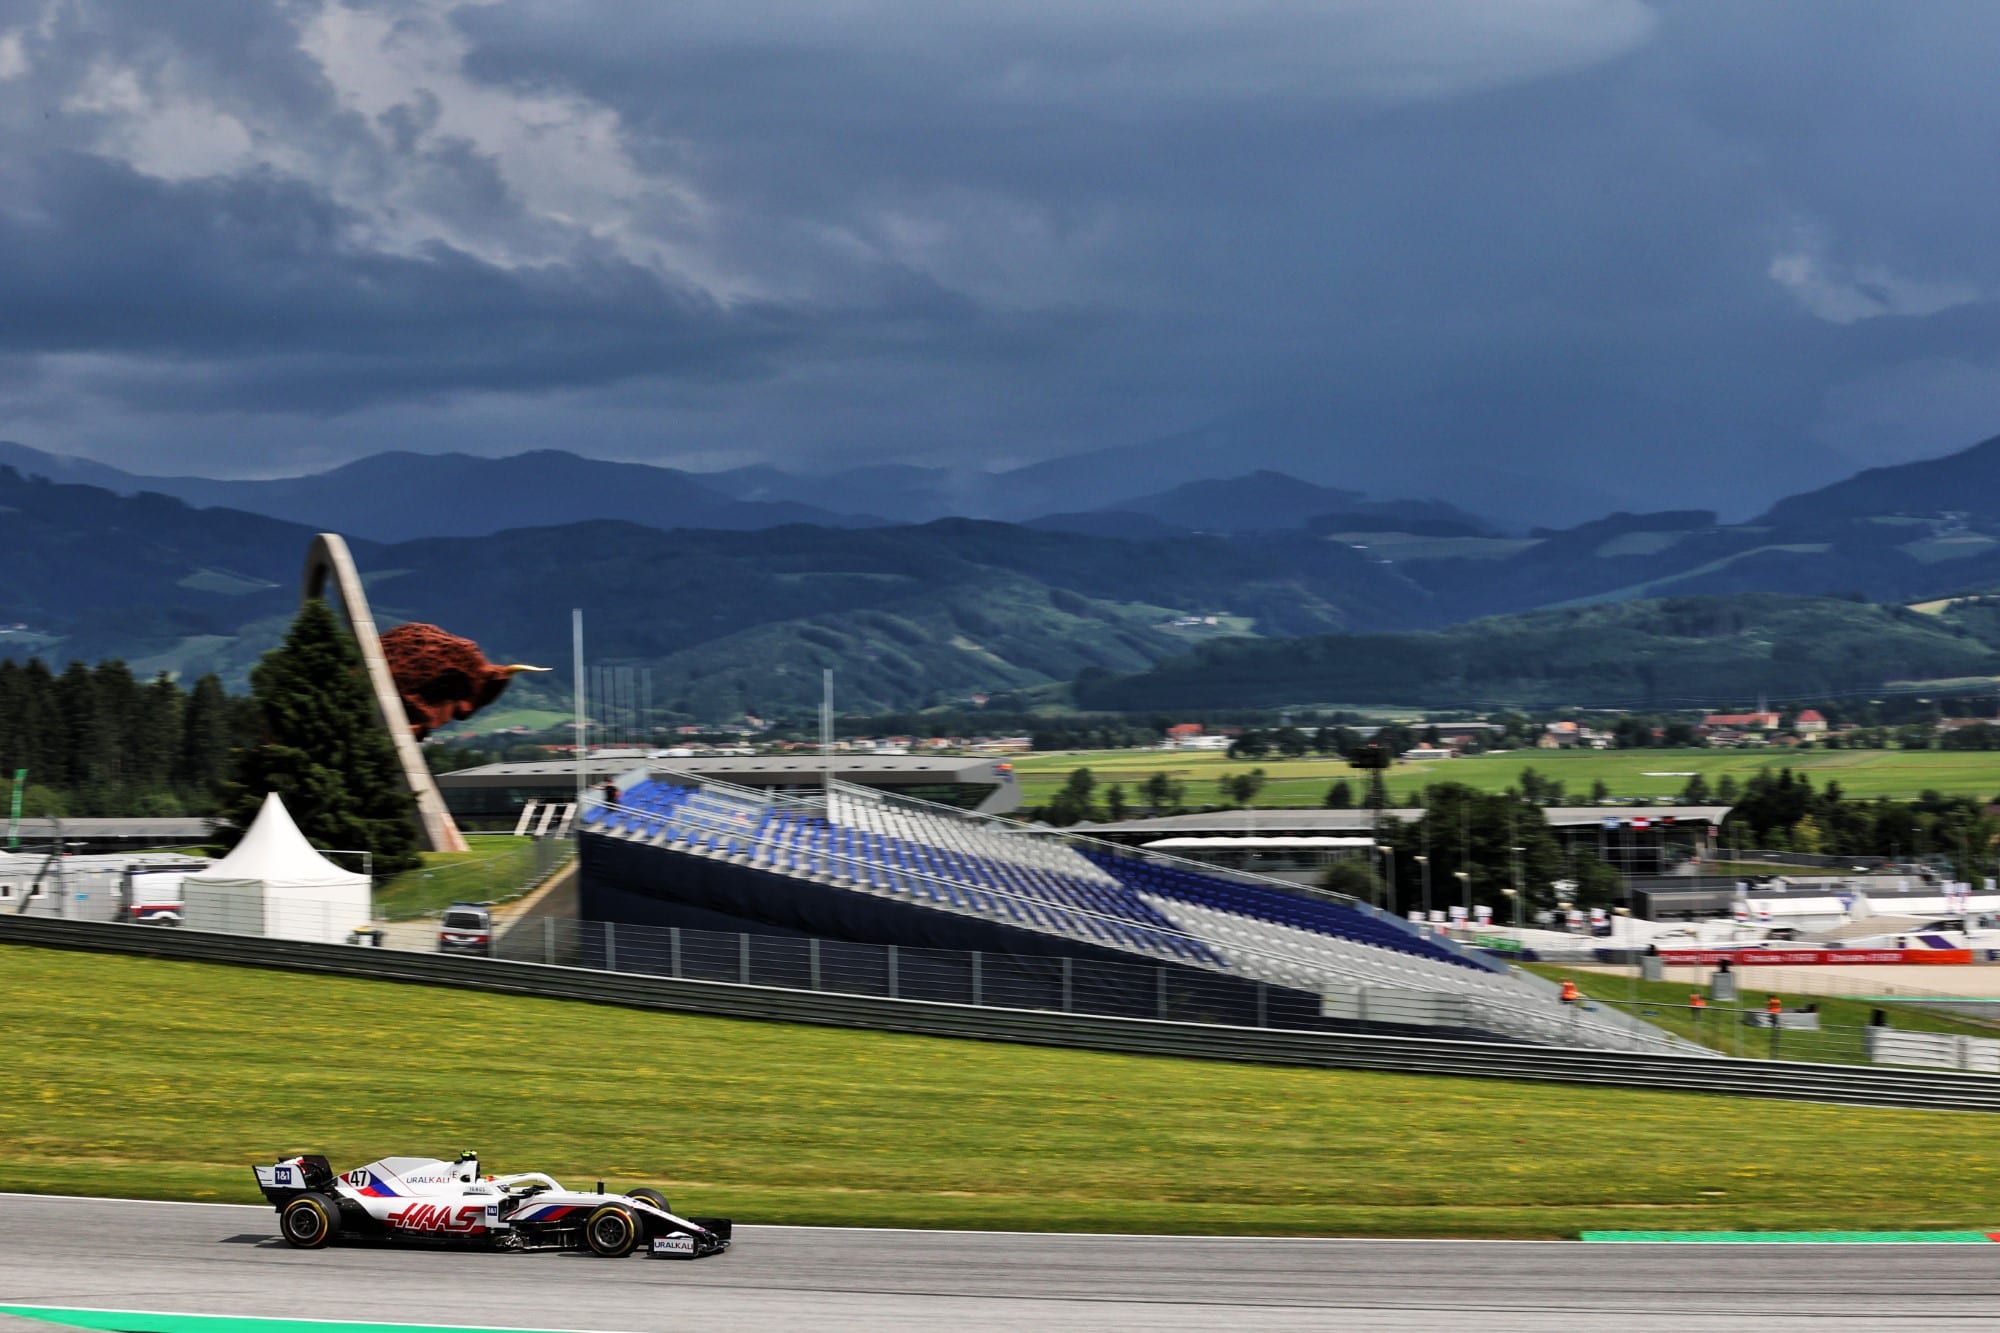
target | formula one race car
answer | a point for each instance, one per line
(424, 1199)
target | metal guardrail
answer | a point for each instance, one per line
(1854, 1085)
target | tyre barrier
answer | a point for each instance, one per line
(1855, 1085)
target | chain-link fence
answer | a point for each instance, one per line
(1752, 1032)
(973, 977)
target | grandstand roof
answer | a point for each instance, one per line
(863, 770)
(1223, 842)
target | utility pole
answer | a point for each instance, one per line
(14, 819)
(826, 730)
(582, 744)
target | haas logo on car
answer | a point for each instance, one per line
(437, 1217)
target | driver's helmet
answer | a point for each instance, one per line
(466, 1168)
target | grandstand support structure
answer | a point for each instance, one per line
(1069, 890)
(329, 561)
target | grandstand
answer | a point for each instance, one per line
(866, 860)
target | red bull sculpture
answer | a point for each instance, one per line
(441, 677)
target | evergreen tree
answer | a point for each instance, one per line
(1354, 879)
(1072, 805)
(1162, 792)
(1241, 788)
(205, 736)
(323, 750)
(1115, 804)
(154, 732)
(87, 757)
(1340, 796)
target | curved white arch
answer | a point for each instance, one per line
(328, 559)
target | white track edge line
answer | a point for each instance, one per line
(987, 1231)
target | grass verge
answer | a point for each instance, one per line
(162, 1079)
(1839, 1041)
(497, 867)
(1657, 774)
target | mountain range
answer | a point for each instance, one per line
(735, 589)
(399, 495)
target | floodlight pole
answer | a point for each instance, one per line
(826, 729)
(576, 648)
(14, 817)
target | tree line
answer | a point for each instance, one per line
(98, 741)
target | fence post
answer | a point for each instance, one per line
(674, 951)
(610, 947)
(549, 940)
(892, 971)
(1160, 991)
(1263, 1010)
(812, 953)
(743, 957)
(1066, 984)
(978, 988)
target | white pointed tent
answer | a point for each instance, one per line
(276, 884)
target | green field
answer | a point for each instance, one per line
(497, 867)
(1628, 773)
(145, 1078)
(504, 719)
(1839, 1041)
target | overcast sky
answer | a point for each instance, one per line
(1663, 253)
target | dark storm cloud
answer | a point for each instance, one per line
(242, 291)
(1551, 252)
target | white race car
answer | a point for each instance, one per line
(425, 1199)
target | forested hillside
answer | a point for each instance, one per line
(1675, 652)
(918, 616)
(726, 620)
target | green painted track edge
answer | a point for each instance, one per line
(1794, 1237)
(142, 1321)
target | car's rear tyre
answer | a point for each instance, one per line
(612, 1231)
(648, 1194)
(309, 1221)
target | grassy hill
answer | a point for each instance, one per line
(824, 1126)
(1966, 482)
(1673, 652)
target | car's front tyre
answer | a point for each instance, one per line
(309, 1221)
(647, 1194)
(612, 1231)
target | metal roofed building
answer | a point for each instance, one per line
(86, 835)
(1636, 839)
(493, 794)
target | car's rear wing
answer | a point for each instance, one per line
(294, 1175)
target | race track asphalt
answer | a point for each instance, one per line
(227, 1260)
